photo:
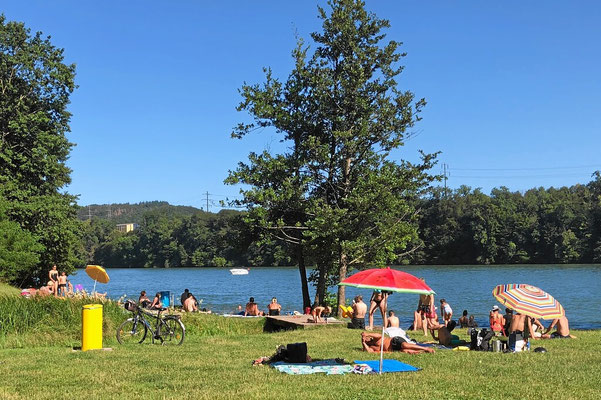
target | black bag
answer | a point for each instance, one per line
(296, 352)
(480, 339)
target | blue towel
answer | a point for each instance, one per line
(389, 366)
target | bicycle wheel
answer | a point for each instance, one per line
(172, 331)
(131, 331)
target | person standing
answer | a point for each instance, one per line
(378, 300)
(359, 311)
(53, 276)
(62, 284)
(427, 310)
(446, 312)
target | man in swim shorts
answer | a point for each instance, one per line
(562, 332)
(518, 341)
(371, 343)
(359, 311)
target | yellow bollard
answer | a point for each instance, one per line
(91, 329)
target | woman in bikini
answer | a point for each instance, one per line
(378, 300)
(53, 276)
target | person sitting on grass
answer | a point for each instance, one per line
(562, 332)
(444, 332)
(463, 321)
(190, 304)
(252, 309)
(318, 311)
(274, 308)
(371, 342)
(359, 311)
(393, 320)
(143, 300)
(156, 302)
(471, 323)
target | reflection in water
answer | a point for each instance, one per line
(464, 287)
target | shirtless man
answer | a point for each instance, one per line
(371, 343)
(318, 311)
(62, 284)
(252, 309)
(562, 332)
(517, 341)
(393, 320)
(359, 311)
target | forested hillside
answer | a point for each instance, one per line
(122, 213)
(463, 226)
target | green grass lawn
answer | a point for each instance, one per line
(215, 363)
(7, 290)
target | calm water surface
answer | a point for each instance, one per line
(464, 287)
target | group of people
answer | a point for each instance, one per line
(519, 328)
(58, 284)
(516, 326)
(252, 309)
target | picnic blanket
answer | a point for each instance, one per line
(328, 367)
(388, 366)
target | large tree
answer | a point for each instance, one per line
(35, 85)
(336, 194)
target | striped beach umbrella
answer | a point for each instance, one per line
(528, 300)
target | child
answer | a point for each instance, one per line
(318, 311)
(446, 312)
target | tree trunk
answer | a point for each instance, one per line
(321, 284)
(342, 276)
(303, 275)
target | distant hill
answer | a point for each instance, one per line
(121, 213)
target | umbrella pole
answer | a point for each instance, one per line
(94, 290)
(382, 349)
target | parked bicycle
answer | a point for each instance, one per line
(168, 329)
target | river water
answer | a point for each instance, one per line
(468, 287)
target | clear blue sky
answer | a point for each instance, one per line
(513, 88)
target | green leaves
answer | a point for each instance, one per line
(35, 86)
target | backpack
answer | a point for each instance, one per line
(480, 339)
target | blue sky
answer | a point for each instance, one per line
(513, 88)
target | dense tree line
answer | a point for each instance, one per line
(164, 240)
(466, 226)
(461, 226)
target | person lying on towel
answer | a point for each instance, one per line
(371, 343)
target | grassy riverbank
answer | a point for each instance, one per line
(215, 363)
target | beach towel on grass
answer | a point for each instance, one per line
(389, 366)
(328, 367)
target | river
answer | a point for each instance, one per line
(464, 287)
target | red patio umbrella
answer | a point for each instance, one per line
(387, 279)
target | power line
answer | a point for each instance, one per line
(528, 169)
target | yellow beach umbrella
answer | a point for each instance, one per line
(97, 273)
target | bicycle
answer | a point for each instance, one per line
(169, 329)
